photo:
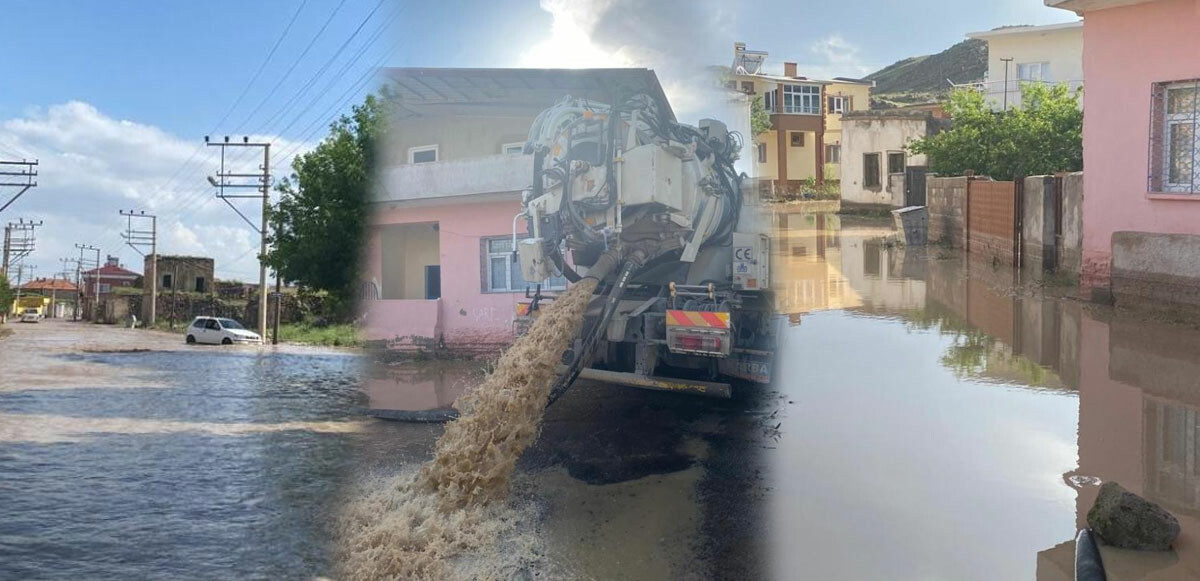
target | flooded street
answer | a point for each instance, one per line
(931, 419)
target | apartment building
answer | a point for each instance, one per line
(1017, 55)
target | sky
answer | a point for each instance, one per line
(114, 98)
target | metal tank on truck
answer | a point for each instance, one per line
(653, 210)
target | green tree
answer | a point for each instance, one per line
(1042, 136)
(6, 295)
(321, 215)
(760, 121)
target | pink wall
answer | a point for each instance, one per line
(1125, 51)
(469, 319)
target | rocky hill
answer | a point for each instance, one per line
(923, 79)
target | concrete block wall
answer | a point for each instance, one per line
(1151, 269)
(1070, 248)
(1039, 214)
(946, 199)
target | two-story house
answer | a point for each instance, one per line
(805, 138)
(1030, 54)
(439, 267)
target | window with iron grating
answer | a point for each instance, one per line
(1174, 140)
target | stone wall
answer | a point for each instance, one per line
(1038, 217)
(1070, 249)
(946, 199)
(1152, 269)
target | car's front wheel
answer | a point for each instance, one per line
(227, 341)
(191, 339)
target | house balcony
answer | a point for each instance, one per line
(996, 92)
(456, 178)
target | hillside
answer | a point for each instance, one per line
(923, 79)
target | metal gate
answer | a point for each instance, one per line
(914, 185)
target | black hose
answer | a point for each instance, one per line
(416, 416)
(565, 380)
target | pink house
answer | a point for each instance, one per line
(1141, 142)
(439, 264)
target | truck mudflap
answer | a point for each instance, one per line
(747, 364)
(690, 386)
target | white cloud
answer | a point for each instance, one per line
(676, 38)
(92, 165)
(836, 57)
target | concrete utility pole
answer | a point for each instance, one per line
(139, 239)
(260, 181)
(1006, 61)
(19, 241)
(66, 275)
(82, 263)
(18, 174)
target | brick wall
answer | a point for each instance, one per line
(946, 199)
(992, 219)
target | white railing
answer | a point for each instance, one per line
(456, 177)
(997, 92)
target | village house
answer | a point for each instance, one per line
(179, 273)
(875, 155)
(1017, 55)
(60, 296)
(439, 268)
(805, 139)
(1141, 152)
(101, 283)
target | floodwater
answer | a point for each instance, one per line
(950, 423)
(931, 419)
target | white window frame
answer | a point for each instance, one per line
(507, 255)
(1043, 71)
(802, 99)
(769, 101)
(841, 103)
(1170, 120)
(412, 151)
(518, 145)
(833, 150)
(105, 288)
(762, 152)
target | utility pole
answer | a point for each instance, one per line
(139, 239)
(261, 181)
(19, 241)
(96, 278)
(18, 174)
(1006, 61)
(278, 288)
(66, 275)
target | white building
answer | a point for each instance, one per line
(1031, 54)
(875, 153)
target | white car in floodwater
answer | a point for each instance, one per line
(220, 331)
(31, 316)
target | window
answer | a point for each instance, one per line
(1174, 143)
(748, 87)
(839, 104)
(433, 282)
(105, 288)
(871, 170)
(769, 101)
(166, 281)
(833, 153)
(516, 148)
(503, 270)
(199, 284)
(797, 138)
(803, 99)
(212, 324)
(1033, 71)
(895, 162)
(423, 154)
(762, 153)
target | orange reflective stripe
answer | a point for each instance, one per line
(706, 319)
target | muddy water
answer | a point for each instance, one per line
(950, 422)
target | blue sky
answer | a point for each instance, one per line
(115, 97)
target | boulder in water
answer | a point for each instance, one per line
(1126, 520)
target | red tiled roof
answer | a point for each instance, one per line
(49, 284)
(110, 270)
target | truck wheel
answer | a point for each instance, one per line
(191, 340)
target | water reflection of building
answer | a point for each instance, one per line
(822, 264)
(418, 386)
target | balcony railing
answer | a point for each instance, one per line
(456, 177)
(996, 91)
